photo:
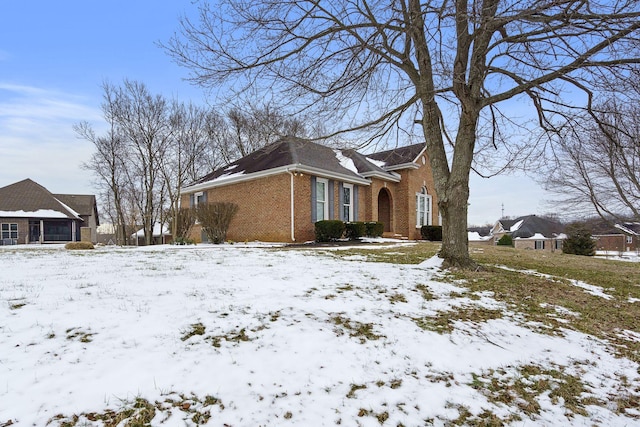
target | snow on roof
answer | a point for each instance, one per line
(537, 236)
(626, 229)
(516, 226)
(378, 163)
(227, 176)
(346, 162)
(40, 213)
(156, 231)
(76, 214)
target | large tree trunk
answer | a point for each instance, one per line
(452, 184)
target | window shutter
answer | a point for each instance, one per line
(314, 214)
(330, 200)
(355, 202)
(341, 200)
(191, 200)
(204, 197)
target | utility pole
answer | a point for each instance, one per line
(502, 211)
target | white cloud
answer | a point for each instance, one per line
(37, 140)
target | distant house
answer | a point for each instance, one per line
(284, 188)
(622, 237)
(161, 235)
(531, 232)
(29, 213)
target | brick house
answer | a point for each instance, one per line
(284, 188)
(29, 213)
(531, 232)
(623, 237)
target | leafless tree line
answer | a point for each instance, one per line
(153, 147)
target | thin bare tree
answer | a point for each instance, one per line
(597, 163)
(445, 66)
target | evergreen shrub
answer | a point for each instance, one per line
(431, 232)
(373, 229)
(579, 241)
(505, 240)
(329, 230)
(354, 230)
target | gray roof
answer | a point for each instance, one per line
(532, 224)
(83, 204)
(29, 196)
(399, 155)
(292, 151)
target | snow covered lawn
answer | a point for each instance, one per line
(254, 336)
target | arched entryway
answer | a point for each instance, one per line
(384, 208)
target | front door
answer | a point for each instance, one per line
(384, 209)
(34, 232)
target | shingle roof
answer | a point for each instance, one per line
(83, 204)
(28, 196)
(531, 225)
(292, 151)
(399, 155)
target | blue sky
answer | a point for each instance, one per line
(54, 57)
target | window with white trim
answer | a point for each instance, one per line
(539, 244)
(322, 199)
(9, 231)
(629, 239)
(423, 208)
(347, 202)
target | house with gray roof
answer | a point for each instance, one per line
(285, 187)
(531, 232)
(29, 213)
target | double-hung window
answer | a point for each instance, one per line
(9, 231)
(347, 202)
(423, 208)
(322, 199)
(539, 244)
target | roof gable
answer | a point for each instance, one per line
(27, 198)
(399, 156)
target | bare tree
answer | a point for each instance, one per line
(597, 165)
(445, 66)
(184, 159)
(108, 164)
(254, 126)
(143, 120)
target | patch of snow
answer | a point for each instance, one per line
(474, 236)
(40, 213)
(516, 226)
(227, 176)
(378, 163)
(228, 168)
(537, 236)
(76, 214)
(346, 162)
(83, 334)
(433, 262)
(597, 291)
(158, 231)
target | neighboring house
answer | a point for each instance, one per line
(161, 236)
(623, 237)
(29, 213)
(284, 188)
(531, 232)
